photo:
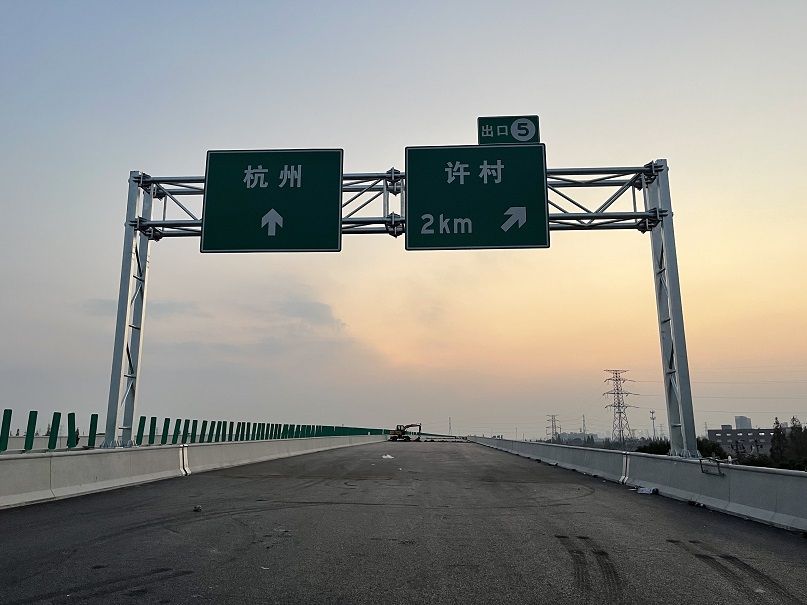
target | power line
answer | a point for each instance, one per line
(734, 381)
(797, 397)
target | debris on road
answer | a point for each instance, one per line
(387, 456)
(197, 508)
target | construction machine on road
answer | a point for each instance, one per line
(400, 434)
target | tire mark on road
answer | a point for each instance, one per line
(736, 581)
(582, 580)
(104, 587)
(785, 596)
(764, 579)
(612, 581)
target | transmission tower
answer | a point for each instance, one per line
(621, 429)
(552, 428)
(653, 420)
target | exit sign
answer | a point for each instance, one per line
(476, 196)
(510, 130)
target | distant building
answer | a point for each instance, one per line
(742, 441)
(572, 438)
(742, 422)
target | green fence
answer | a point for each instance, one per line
(186, 430)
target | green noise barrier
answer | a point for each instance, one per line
(30, 432)
(141, 427)
(185, 431)
(72, 435)
(93, 430)
(166, 428)
(5, 429)
(53, 438)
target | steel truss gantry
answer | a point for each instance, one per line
(580, 199)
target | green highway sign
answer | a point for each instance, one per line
(277, 200)
(468, 196)
(500, 130)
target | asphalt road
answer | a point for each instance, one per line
(437, 523)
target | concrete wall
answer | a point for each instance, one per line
(773, 496)
(38, 477)
(210, 456)
(608, 464)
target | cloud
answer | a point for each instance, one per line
(294, 327)
(309, 311)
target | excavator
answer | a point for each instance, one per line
(400, 434)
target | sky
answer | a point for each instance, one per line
(375, 335)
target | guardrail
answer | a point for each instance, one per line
(773, 496)
(39, 477)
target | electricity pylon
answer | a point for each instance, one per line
(621, 428)
(552, 429)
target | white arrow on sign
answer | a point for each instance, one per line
(516, 214)
(273, 220)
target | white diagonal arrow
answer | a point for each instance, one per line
(273, 220)
(516, 214)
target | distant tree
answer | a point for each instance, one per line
(758, 460)
(659, 446)
(778, 443)
(796, 448)
(710, 449)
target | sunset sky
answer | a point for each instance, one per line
(375, 335)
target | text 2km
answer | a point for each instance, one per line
(445, 225)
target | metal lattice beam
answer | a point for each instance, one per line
(366, 206)
(580, 199)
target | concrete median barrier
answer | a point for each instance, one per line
(210, 456)
(772, 496)
(776, 496)
(24, 478)
(608, 464)
(38, 477)
(74, 473)
(679, 478)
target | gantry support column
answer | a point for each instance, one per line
(130, 318)
(677, 388)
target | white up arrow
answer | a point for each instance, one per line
(516, 214)
(273, 220)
